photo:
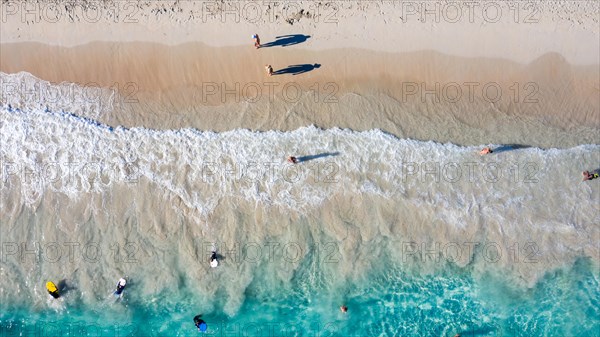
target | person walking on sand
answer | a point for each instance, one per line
(256, 41)
(292, 160)
(269, 69)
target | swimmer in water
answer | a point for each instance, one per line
(120, 286)
(213, 259)
(486, 150)
(199, 323)
(589, 176)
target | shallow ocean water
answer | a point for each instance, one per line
(416, 238)
(389, 303)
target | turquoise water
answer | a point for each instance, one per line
(390, 303)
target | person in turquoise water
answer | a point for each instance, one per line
(200, 324)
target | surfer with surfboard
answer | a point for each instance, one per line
(120, 287)
(52, 289)
(213, 258)
(590, 176)
(200, 324)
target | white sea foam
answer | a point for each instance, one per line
(203, 167)
(370, 191)
(27, 92)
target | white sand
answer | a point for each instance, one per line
(515, 30)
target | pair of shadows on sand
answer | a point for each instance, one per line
(290, 40)
(286, 40)
(317, 156)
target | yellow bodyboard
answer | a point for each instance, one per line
(51, 287)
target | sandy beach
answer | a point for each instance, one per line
(430, 81)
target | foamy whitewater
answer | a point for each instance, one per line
(416, 238)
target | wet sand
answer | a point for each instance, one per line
(422, 95)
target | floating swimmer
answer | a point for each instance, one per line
(590, 176)
(200, 324)
(486, 150)
(120, 287)
(52, 289)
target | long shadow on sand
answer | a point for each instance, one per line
(297, 69)
(510, 147)
(286, 40)
(317, 156)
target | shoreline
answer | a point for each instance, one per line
(423, 95)
(423, 70)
